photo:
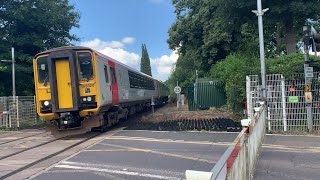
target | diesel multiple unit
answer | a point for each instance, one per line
(74, 84)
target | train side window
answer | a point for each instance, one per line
(113, 75)
(106, 73)
(42, 66)
(85, 63)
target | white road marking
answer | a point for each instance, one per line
(130, 173)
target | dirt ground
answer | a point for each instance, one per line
(170, 112)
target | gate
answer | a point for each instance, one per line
(286, 101)
(202, 96)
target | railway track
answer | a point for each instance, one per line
(15, 160)
(15, 137)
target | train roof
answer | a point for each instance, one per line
(100, 54)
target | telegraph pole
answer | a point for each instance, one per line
(260, 13)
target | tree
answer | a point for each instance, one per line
(32, 26)
(286, 19)
(145, 61)
(207, 31)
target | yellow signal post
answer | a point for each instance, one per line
(307, 87)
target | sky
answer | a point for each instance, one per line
(117, 28)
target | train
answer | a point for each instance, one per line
(79, 88)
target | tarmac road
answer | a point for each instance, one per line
(289, 157)
(142, 155)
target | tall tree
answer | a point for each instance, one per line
(289, 17)
(32, 26)
(145, 61)
(207, 31)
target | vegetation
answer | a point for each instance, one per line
(220, 39)
(145, 61)
(31, 26)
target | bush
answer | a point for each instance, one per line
(233, 70)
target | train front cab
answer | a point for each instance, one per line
(66, 87)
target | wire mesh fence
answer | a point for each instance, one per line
(17, 111)
(286, 101)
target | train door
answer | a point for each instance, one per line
(63, 84)
(114, 84)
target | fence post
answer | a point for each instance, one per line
(35, 110)
(17, 102)
(284, 113)
(248, 83)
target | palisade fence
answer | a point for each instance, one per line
(239, 160)
(202, 96)
(286, 101)
(18, 111)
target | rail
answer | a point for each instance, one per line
(238, 161)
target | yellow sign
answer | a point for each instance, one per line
(308, 88)
(308, 97)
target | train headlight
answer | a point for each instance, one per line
(46, 103)
(88, 99)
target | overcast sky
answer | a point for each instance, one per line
(117, 28)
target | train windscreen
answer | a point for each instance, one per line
(42, 66)
(85, 63)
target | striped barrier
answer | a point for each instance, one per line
(238, 161)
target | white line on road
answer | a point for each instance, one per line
(130, 173)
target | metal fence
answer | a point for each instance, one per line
(286, 101)
(239, 160)
(202, 96)
(17, 111)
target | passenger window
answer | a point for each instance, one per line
(106, 73)
(113, 75)
(85, 63)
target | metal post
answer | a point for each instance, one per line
(35, 111)
(13, 75)
(284, 112)
(178, 99)
(260, 13)
(17, 106)
(248, 83)
(308, 80)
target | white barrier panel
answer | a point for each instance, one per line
(241, 156)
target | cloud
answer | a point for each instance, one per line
(127, 58)
(115, 50)
(98, 44)
(163, 65)
(128, 40)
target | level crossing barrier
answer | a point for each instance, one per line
(239, 160)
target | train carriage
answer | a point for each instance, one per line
(74, 84)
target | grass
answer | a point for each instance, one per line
(32, 124)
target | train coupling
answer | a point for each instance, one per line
(69, 120)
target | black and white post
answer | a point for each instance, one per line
(177, 90)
